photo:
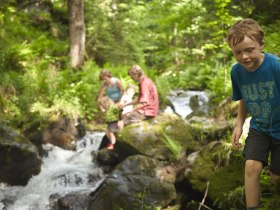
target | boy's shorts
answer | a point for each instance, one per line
(113, 127)
(258, 146)
(134, 117)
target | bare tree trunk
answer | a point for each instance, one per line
(76, 32)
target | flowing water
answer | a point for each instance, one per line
(181, 101)
(62, 172)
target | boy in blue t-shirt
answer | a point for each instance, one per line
(256, 85)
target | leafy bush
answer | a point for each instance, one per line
(234, 200)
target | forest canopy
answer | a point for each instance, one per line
(181, 44)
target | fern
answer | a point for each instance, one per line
(171, 144)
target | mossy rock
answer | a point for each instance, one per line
(210, 129)
(220, 165)
(166, 137)
(19, 159)
(134, 184)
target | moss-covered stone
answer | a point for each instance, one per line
(19, 159)
(156, 137)
(134, 184)
(221, 166)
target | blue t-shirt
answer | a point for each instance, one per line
(260, 91)
(114, 93)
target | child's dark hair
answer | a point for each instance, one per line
(105, 72)
(246, 27)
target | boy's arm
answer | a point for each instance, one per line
(101, 92)
(101, 108)
(120, 86)
(133, 102)
(238, 129)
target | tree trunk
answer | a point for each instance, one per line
(76, 32)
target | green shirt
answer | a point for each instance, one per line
(112, 114)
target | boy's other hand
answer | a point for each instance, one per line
(236, 136)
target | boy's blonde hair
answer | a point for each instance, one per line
(106, 102)
(136, 70)
(246, 27)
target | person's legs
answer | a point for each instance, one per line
(253, 170)
(256, 152)
(110, 133)
(121, 124)
(274, 177)
(112, 137)
(130, 118)
(275, 161)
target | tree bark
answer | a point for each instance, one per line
(76, 32)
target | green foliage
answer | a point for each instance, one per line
(112, 114)
(180, 44)
(272, 43)
(140, 202)
(193, 205)
(163, 87)
(220, 84)
(171, 144)
(235, 199)
(270, 193)
(110, 37)
(76, 95)
(271, 203)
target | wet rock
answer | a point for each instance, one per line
(19, 159)
(134, 183)
(61, 132)
(73, 201)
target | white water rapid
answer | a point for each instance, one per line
(181, 101)
(62, 172)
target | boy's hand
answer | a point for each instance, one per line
(236, 136)
(121, 106)
(126, 114)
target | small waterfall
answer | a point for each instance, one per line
(186, 102)
(62, 172)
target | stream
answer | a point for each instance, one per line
(65, 171)
(62, 172)
(185, 103)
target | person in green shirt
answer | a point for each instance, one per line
(111, 117)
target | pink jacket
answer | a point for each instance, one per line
(148, 94)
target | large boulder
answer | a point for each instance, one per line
(19, 159)
(191, 153)
(135, 183)
(61, 132)
(110, 158)
(78, 200)
(165, 137)
(210, 129)
(218, 164)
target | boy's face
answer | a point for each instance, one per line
(106, 78)
(248, 54)
(134, 76)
